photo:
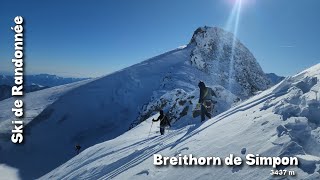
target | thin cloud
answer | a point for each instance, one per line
(287, 46)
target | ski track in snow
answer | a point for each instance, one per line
(159, 145)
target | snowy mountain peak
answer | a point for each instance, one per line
(207, 32)
(229, 63)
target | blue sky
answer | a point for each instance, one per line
(92, 38)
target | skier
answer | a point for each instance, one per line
(164, 121)
(205, 100)
(78, 147)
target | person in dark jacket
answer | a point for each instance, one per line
(77, 148)
(164, 121)
(205, 100)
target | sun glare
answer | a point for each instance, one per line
(232, 26)
(243, 2)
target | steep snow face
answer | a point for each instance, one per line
(98, 110)
(228, 61)
(104, 108)
(281, 121)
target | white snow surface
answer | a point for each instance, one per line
(8, 173)
(281, 121)
(35, 103)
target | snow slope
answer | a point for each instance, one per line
(281, 121)
(98, 110)
(8, 173)
(35, 103)
(104, 108)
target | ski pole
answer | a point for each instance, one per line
(150, 129)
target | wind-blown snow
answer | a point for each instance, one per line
(281, 121)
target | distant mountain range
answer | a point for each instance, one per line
(33, 83)
(275, 79)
